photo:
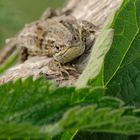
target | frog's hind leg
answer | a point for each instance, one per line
(88, 26)
(8, 50)
(50, 13)
(23, 54)
(88, 32)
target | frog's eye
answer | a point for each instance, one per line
(75, 38)
(58, 48)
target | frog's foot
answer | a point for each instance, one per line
(58, 68)
(69, 68)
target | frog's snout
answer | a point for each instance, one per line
(69, 54)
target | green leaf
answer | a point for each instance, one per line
(68, 135)
(49, 111)
(102, 71)
(125, 83)
(14, 130)
(38, 102)
(9, 62)
(121, 72)
(93, 118)
(126, 29)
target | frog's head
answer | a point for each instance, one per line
(71, 50)
(62, 40)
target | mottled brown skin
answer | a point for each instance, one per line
(61, 37)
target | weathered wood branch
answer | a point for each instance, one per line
(95, 11)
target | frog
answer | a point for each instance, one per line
(61, 37)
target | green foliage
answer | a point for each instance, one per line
(126, 30)
(38, 109)
(126, 81)
(9, 62)
(121, 66)
(106, 107)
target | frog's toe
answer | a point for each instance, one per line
(69, 68)
(59, 68)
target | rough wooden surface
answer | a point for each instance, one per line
(96, 11)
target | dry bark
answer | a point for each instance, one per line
(95, 11)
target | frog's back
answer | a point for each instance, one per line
(42, 38)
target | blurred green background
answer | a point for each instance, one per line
(15, 13)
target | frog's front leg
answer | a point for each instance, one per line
(58, 67)
(63, 57)
(23, 53)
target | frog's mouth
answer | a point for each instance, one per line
(69, 53)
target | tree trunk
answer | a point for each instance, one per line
(99, 12)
